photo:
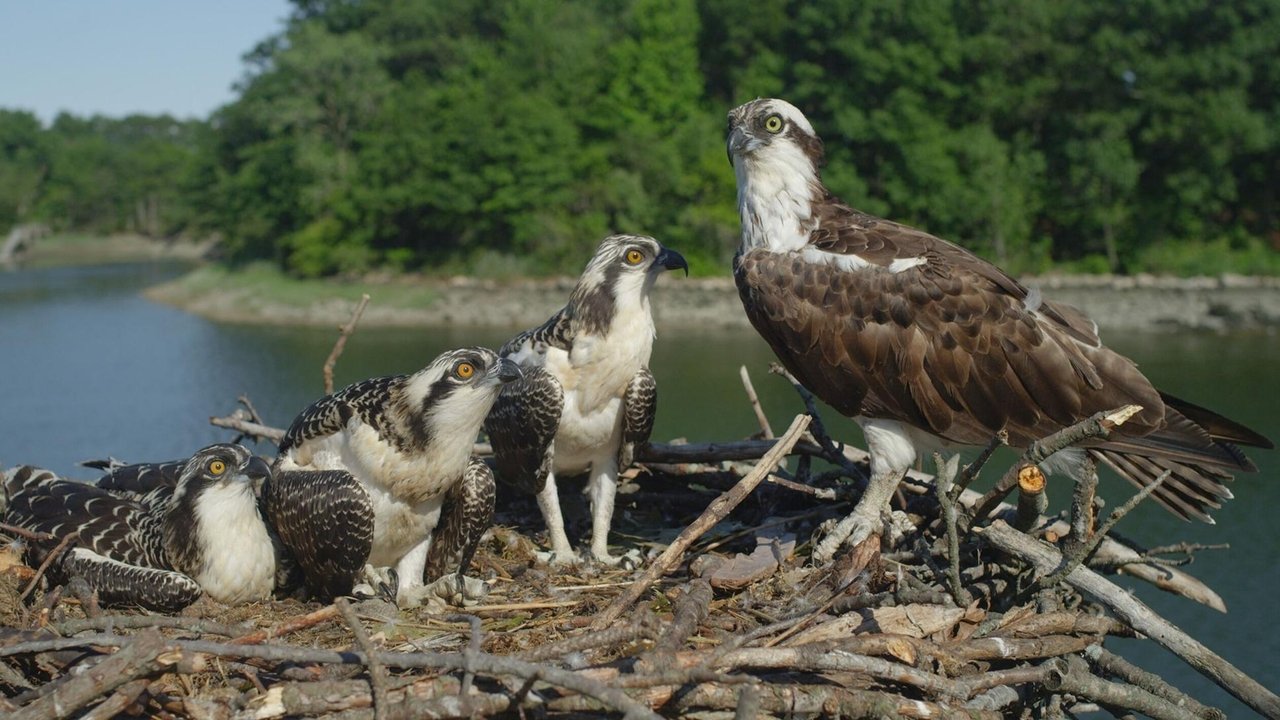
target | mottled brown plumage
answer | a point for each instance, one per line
(889, 323)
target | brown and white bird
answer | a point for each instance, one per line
(926, 345)
(587, 397)
(156, 539)
(381, 473)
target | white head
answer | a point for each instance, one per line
(776, 156)
(446, 401)
(622, 271)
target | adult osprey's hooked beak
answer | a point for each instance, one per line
(736, 142)
(669, 259)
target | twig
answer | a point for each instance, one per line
(1099, 425)
(27, 534)
(613, 698)
(1045, 559)
(246, 427)
(1032, 498)
(1079, 553)
(138, 657)
(377, 673)
(325, 614)
(48, 560)
(750, 389)
(690, 609)
(712, 515)
(1113, 664)
(970, 472)
(947, 503)
(119, 700)
(1072, 676)
(643, 626)
(109, 623)
(253, 411)
(343, 333)
(832, 452)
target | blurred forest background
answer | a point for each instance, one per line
(507, 138)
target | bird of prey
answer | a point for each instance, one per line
(587, 396)
(926, 345)
(381, 473)
(156, 540)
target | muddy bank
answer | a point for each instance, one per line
(1116, 303)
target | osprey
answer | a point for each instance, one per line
(365, 475)
(156, 540)
(587, 396)
(926, 345)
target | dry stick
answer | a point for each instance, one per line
(644, 626)
(119, 700)
(970, 472)
(947, 503)
(109, 623)
(1099, 425)
(1032, 499)
(1113, 664)
(311, 619)
(27, 534)
(1079, 553)
(1045, 559)
(246, 427)
(57, 553)
(142, 656)
(691, 608)
(1072, 676)
(253, 411)
(343, 333)
(377, 673)
(613, 698)
(755, 402)
(831, 452)
(714, 513)
(1082, 511)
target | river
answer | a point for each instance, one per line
(88, 368)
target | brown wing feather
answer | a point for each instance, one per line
(968, 357)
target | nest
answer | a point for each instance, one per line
(963, 607)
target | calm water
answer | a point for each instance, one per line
(89, 369)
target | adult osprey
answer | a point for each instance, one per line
(925, 344)
(153, 544)
(587, 396)
(364, 476)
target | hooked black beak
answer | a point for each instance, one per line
(670, 259)
(508, 371)
(256, 469)
(736, 141)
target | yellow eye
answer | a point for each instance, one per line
(634, 257)
(464, 370)
(773, 124)
(217, 467)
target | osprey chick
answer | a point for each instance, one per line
(926, 345)
(364, 475)
(157, 547)
(587, 396)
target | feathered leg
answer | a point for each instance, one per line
(892, 452)
(549, 503)
(602, 490)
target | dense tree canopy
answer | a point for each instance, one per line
(509, 137)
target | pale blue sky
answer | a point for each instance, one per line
(128, 56)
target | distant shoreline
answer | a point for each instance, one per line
(1140, 302)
